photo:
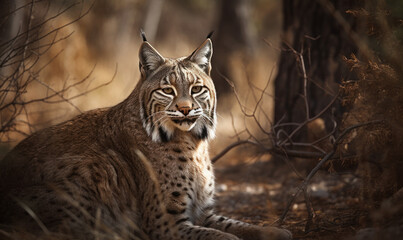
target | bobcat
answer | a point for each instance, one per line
(137, 170)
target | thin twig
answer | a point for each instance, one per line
(229, 147)
(277, 151)
(301, 57)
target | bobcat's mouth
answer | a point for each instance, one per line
(180, 121)
(184, 124)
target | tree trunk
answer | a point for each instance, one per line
(309, 28)
(233, 35)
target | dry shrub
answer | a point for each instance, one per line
(376, 95)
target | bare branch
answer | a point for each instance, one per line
(328, 156)
(228, 148)
(20, 57)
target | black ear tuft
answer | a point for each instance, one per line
(210, 34)
(143, 35)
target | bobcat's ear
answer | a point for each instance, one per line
(150, 59)
(202, 56)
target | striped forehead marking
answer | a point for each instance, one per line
(188, 76)
(172, 78)
(179, 75)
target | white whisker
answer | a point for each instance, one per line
(153, 114)
(204, 116)
(164, 120)
(158, 120)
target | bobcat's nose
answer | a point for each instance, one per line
(184, 107)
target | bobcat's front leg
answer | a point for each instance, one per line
(244, 230)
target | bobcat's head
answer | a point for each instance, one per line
(177, 94)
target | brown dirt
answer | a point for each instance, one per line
(258, 193)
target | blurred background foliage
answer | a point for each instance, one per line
(107, 39)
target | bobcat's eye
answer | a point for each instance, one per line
(168, 90)
(196, 89)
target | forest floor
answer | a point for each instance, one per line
(258, 193)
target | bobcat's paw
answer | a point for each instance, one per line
(273, 233)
